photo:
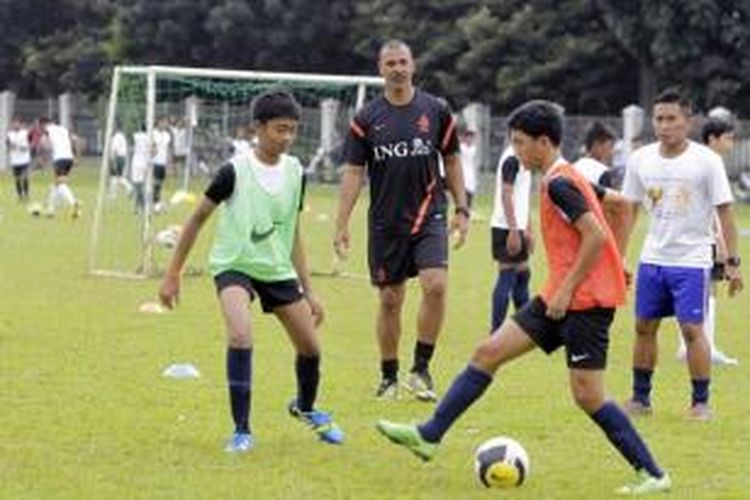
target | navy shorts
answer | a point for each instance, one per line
(395, 258)
(272, 294)
(117, 167)
(500, 248)
(62, 167)
(585, 334)
(160, 172)
(19, 170)
(662, 291)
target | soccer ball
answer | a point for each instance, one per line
(501, 462)
(169, 237)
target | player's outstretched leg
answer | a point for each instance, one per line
(509, 342)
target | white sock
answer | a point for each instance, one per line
(52, 199)
(708, 323)
(66, 194)
(124, 183)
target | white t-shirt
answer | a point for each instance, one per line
(521, 191)
(162, 139)
(141, 156)
(591, 169)
(680, 194)
(469, 166)
(19, 151)
(270, 177)
(241, 147)
(119, 145)
(180, 141)
(59, 139)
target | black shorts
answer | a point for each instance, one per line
(160, 172)
(718, 271)
(62, 167)
(20, 170)
(117, 167)
(272, 294)
(585, 334)
(395, 258)
(500, 249)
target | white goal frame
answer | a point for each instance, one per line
(152, 73)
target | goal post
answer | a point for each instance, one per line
(203, 115)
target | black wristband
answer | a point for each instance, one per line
(734, 261)
(463, 210)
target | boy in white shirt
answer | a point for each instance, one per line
(600, 148)
(119, 160)
(162, 141)
(681, 184)
(139, 164)
(63, 159)
(20, 156)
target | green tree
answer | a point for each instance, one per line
(701, 45)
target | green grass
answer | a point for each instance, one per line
(85, 412)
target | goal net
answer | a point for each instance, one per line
(182, 124)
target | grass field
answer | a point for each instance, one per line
(85, 412)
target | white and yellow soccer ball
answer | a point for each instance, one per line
(501, 462)
(182, 196)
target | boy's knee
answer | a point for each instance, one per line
(488, 355)
(587, 397)
(391, 300)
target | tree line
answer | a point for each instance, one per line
(592, 56)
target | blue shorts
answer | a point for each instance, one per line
(662, 291)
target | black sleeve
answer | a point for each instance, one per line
(303, 191)
(222, 185)
(509, 169)
(356, 151)
(600, 190)
(606, 179)
(449, 144)
(568, 198)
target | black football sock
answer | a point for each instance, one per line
(308, 378)
(239, 378)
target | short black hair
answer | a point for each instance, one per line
(538, 118)
(598, 132)
(393, 44)
(673, 95)
(715, 127)
(277, 103)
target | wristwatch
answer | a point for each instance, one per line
(734, 261)
(463, 210)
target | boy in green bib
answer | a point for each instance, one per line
(257, 251)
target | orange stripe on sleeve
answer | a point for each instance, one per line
(447, 135)
(357, 130)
